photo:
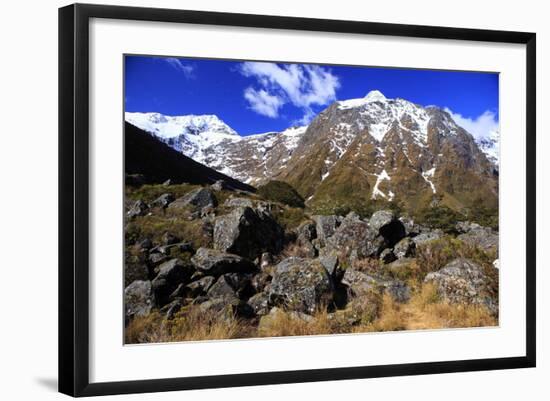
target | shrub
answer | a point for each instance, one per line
(289, 217)
(279, 191)
(440, 217)
(484, 216)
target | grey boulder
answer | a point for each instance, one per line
(138, 299)
(301, 285)
(325, 227)
(170, 275)
(248, 233)
(362, 284)
(356, 239)
(139, 208)
(404, 248)
(238, 202)
(163, 201)
(197, 198)
(462, 281)
(214, 263)
(482, 237)
(426, 237)
(385, 223)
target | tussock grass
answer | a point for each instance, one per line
(367, 265)
(288, 324)
(191, 324)
(294, 249)
(426, 311)
(391, 318)
(423, 311)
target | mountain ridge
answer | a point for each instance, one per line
(372, 148)
(158, 162)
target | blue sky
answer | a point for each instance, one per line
(255, 97)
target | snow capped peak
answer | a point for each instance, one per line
(375, 96)
(173, 126)
(372, 96)
(378, 115)
(190, 134)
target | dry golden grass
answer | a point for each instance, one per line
(391, 318)
(426, 311)
(369, 265)
(290, 324)
(295, 249)
(189, 325)
(423, 311)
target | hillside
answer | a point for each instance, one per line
(158, 162)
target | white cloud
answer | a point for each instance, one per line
(306, 118)
(187, 69)
(300, 85)
(480, 127)
(262, 102)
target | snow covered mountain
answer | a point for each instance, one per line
(210, 141)
(370, 149)
(255, 158)
(188, 134)
(375, 149)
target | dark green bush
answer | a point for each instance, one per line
(279, 191)
(440, 217)
(484, 216)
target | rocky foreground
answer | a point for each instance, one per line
(222, 264)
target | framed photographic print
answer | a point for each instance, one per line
(278, 199)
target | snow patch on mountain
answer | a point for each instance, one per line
(490, 146)
(427, 175)
(376, 191)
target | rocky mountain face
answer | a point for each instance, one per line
(378, 149)
(369, 150)
(254, 159)
(208, 140)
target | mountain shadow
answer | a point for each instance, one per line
(158, 162)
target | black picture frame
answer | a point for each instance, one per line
(74, 198)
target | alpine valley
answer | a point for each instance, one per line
(380, 215)
(356, 154)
